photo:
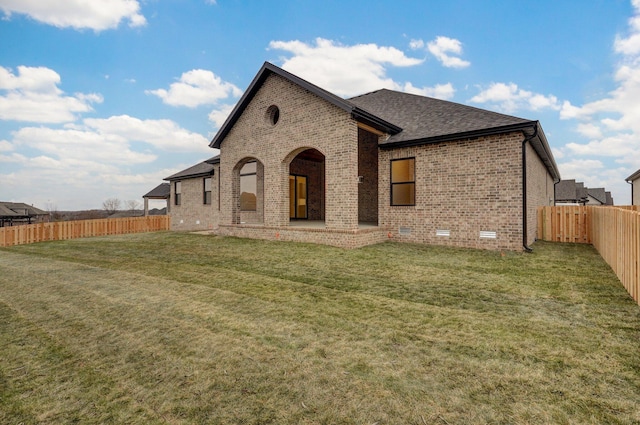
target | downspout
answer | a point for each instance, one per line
(524, 187)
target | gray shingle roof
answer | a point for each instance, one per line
(609, 200)
(424, 118)
(202, 169)
(566, 190)
(162, 191)
(19, 209)
(598, 194)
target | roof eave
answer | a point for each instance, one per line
(544, 151)
(458, 136)
(633, 177)
(374, 121)
(188, 176)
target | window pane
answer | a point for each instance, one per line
(402, 170)
(178, 190)
(249, 168)
(248, 193)
(207, 184)
(207, 198)
(403, 194)
(301, 193)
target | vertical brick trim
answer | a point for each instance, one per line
(368, 170)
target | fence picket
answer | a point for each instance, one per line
(613, 231)
(61, 230)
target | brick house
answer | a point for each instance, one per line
(302, 164)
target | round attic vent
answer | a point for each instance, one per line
(273, 114)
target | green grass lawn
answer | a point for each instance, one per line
(181, 328)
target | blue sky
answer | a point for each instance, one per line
(104, 100)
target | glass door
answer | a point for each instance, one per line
(297, 196)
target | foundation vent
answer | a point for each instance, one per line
(445, 233)
(404, 231)
(484, 234)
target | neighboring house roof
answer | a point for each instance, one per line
(633, 177)
(408, 119)
(202, 169)
(609, 198)
(598, 194)
(581, 191)
(19, 210)
(566, 190)
(162, 191)
(570, 191)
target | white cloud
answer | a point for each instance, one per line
(33, 95)
(79, 14)
(439, 91)
(84, 163)
(614, 145)
(197, 87)
(416, 44)
(343, 70)
(612, 123)
(589, 130)
(509, 98)
(161, 134)
(447, 50)
(108, 140)
(219, 115)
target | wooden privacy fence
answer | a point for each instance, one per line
(613, 231)
(60, 230)
(564, 224)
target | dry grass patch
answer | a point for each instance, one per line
(178, 328)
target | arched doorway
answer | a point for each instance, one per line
(248, 192)
(307, 186)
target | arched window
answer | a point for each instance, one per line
(248, 187)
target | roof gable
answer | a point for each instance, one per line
(269, 69)
(598, 194)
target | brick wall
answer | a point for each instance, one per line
(339, 238)
(539, 191)
(305, 121)
(192, 214)
(463, 187)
